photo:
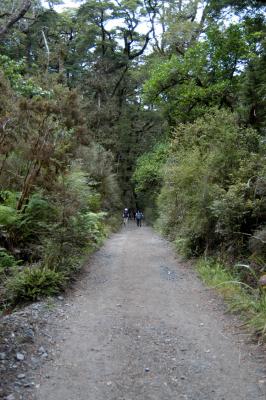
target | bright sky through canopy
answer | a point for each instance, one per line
(76, 3)
(65, 4)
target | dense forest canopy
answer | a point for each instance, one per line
(156, 104)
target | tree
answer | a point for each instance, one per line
(207, 74)
(238, 5)
(13, 16)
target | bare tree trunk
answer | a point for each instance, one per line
(47, 50)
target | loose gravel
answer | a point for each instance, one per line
(139, 325)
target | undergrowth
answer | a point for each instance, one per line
(33, 283)
(61, 258)
(247, 301)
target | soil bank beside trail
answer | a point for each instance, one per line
(141, 326)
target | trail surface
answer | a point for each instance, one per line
(141, 326)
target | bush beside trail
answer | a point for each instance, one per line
(211, 197)
(56, 206)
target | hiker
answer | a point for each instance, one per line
(125, 216)
(139, 217)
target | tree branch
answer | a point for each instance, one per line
(15, 18)
(141, 51)
(5, 14)
(119, 81)
(252, 236)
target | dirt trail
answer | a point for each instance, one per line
(141, 326)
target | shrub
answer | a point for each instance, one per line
(113, 222)
(36, 219)
(8, 216)
(248, 302)
(8, 265)
(213, 195)
(33, 283)
(148, 173)
(80, 233)
(7, 261)
(148, 178)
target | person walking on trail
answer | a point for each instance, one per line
(125, 216)
(139, 217)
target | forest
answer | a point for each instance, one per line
(155, 104)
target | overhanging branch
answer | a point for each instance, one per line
(15, 18)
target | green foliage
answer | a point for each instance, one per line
(148, 178)
(214, 274)
(6, 260)
(34, 283)
(208, 197)
(8, 198)
(53, 198)
(73, 124)
(8, 216)
(8, 265)
(94, 225)
(94, 202)
(37, 219)
(207, 74)
(79, 235)
(9, 220)
(13, 70)
(98, 164)
(148, 171)
(240, 5)
(252, 102)
(248, 302)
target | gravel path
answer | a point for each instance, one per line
(141, 326)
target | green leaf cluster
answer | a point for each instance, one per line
(34, 283)
(210, 196)
(13, 71)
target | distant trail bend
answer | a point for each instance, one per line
(141, 326)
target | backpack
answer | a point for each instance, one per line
(138, 215)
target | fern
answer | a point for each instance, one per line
(33, 283)
(8, 216)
